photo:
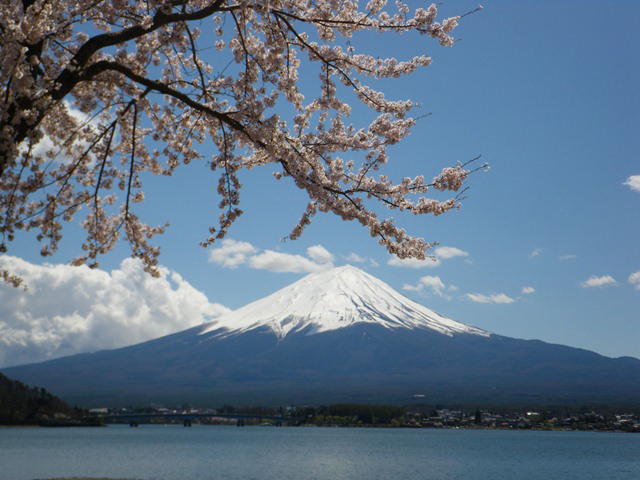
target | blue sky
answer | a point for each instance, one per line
(546, 243)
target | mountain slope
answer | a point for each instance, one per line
(337, 336)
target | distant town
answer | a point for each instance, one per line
(364, 415)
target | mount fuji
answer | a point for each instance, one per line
(338, 298)
(337, 336)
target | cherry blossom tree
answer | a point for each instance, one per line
(97, 94)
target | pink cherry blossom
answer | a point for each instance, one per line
(94, 95)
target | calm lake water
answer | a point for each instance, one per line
(270, 453)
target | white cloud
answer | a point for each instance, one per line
(430, 282)
(603, 281)
(285, 262)
(445, 253)
(494, 298)
(231, 253)
(528, 290)
(634, 279)
(319, 254)
(434, 283)
(355, 258)
(536, 252)
(567, 257)
(439, 254)
(428, 262)
(68, 310)
(633, 182)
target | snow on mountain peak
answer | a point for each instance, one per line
(334, 299)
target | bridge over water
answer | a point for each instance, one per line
(134, 419)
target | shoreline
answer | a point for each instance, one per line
(397, 427)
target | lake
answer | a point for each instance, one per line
(309, 453)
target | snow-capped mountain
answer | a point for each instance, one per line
(334, 299)
(336, 336)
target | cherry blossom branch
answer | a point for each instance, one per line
(105, 65)
(132, 162)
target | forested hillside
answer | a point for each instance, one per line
(21, 404)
